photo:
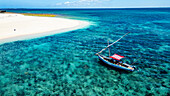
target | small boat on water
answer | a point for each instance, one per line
(116, 63)
(115, 60)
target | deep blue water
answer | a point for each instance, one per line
(65, 64)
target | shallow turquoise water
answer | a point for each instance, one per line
(65, 64)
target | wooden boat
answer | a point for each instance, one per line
(114, 60)
(116, 63)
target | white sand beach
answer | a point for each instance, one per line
(15, 27)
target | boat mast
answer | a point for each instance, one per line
(112, 44)
(108, 48)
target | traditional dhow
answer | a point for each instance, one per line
(116, 63)
(115, 60)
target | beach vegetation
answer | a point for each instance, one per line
(42, 15)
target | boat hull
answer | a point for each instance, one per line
(113, 65)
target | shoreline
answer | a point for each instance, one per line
(30, 27)
(39, 35)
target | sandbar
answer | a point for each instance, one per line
(14, 27)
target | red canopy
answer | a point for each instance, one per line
(117, 57)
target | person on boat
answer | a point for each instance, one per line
(114, 61)
(121, 63)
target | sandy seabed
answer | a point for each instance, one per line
(15, 27)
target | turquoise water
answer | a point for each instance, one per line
(65, 64)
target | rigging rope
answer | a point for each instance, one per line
(112, 44)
